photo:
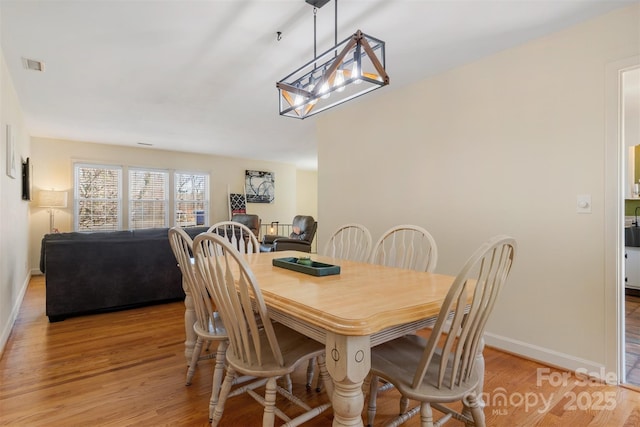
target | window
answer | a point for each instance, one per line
(148, 198)
(192, 199)
(101, 197)
(97, 197)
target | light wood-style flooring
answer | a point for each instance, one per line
(632, 338)
(128, 369)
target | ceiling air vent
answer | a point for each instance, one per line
(32, 64)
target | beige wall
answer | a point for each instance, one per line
(14, 214)
(307, 193)
(502, 145)
(53, 168)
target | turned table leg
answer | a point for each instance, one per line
(348, 362)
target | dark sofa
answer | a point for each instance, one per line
(106, 271)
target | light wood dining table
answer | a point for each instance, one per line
(350, 312)
(363, 306)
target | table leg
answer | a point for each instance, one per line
(348, 362)
(189, 320)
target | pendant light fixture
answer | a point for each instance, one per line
(351, 68)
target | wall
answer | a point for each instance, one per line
(501, 145)
(307, 193)
(53, 168)
(14, 214)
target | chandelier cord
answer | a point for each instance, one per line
(335, 32)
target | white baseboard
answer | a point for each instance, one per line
(14, 315)
(546, 356)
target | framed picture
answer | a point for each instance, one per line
(259, 186)
(11, 153)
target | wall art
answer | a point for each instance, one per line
(259, 186)
(11, 153)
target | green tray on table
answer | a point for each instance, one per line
(315, 269)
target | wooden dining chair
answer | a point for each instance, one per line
(406, 246)
(257, 346)
(208, 326)
(240, 236)
(445, 367)
(349, 241)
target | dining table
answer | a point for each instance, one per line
(350, 312)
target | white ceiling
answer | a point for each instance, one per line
(199, 76)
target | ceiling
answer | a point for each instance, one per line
(199, 76)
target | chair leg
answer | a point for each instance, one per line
(373, 394)
(404, 404)
(288, 384)
(268, 418)
(426, 415)
(197, 349)
(218, 373)
(224, 393)
(310, 372)
(477, 414)
(324, 378)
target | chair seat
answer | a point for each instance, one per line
(295, 348)
(398, 360)
(215, 329)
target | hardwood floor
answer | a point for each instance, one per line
(632, 338)
(128, 368)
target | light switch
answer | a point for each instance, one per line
(584, 203)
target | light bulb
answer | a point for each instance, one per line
(355, 73)
(339, 81)
(310, 89)
(324, 90)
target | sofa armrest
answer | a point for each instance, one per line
(287, 244)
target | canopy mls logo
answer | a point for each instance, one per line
(501, 401)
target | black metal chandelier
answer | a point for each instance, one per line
(350, 69)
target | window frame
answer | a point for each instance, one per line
(77, 199)
(205, 202)
(132, 202)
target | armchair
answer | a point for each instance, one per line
(251, 221)
(304, 230)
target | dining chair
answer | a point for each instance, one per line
(349, 241)
(208, 326)
(444, 368)
(257, 346)
(244, 239)
(406, 246)
(240, 236)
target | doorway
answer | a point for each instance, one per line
(629, 132)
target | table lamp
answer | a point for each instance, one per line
(52, 199)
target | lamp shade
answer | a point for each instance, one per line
(52, 199)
